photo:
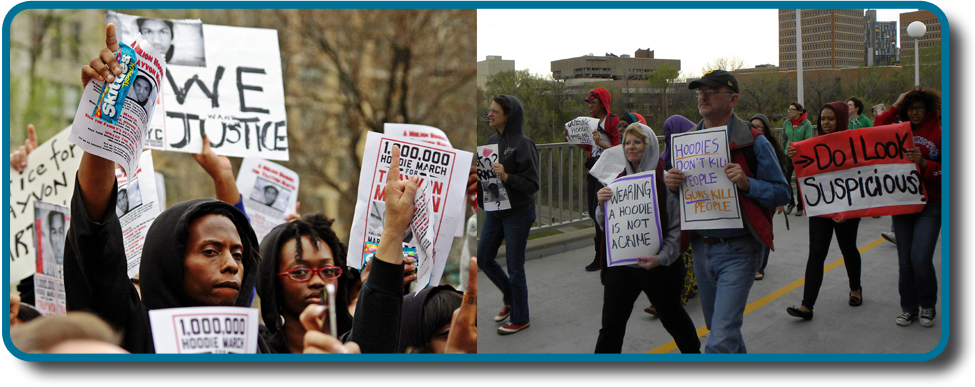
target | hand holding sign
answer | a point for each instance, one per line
(649, 262)
(674, 179)
(103, 67)
(499, 169)
(737, 176)
(399, 211)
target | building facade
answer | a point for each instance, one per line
(831, 38)
(490, 66)
(610, 67)
(880, 38)
(932, 36)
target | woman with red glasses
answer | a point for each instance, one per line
(293, 276)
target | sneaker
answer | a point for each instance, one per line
(788, 210)
(798, 212)
(889, 236)
(594, 266)
(927, 317)
(509, 328)
(505, 312)
(906, 319)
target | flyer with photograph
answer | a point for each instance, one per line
(270, 193)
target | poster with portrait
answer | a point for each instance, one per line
(443, 170)
(269, 191)
(222, 81)
(495, 195)
(51, 226)
(113, 117)
(49, 177)
(137, 206)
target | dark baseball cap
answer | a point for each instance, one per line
(716, 78)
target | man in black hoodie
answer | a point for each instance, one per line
(519, 172)
(197, 253)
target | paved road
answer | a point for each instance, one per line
(566, 303)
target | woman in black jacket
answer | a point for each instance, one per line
(518, 170)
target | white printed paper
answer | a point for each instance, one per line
(580, 130)
(495, 195)
(423, 133)
(137, 206)
(206, 329)
(444, 169)
(609, 165)
(709, 200)
(270, 193)
(632, 219)
(51, 226)
(423, 230)
(113, 124)
(49, 177)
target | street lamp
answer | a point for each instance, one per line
(916, 30)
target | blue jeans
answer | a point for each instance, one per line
(513, 231)
(725, 272)
(917, 236)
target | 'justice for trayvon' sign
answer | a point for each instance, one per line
(858, 173)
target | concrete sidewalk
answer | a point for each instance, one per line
(566, 302)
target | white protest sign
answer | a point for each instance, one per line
(444, 169)
(580, 130)
(495, 196)
(632, 219)
(112, 118)
(49, 297)
(206, 329)
(137, 206)
(270, 192)
(709, 200)
(235, 94)
(426, 134)
(51, 225)
(609, 165)
(423, 133)
(49, 177)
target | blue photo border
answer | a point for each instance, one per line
(615, 358)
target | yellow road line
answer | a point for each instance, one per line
(671, 346)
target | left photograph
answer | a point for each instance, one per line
(240, 181)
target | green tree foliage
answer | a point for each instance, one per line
(548, 104)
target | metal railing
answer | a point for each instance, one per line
(561, 200)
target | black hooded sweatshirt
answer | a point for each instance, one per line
(520, 159)
(378, 310)
(413, 333)
(95, 275)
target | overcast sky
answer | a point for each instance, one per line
(534, 38)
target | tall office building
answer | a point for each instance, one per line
(831, 38)
(880, 40)
(492, 65)
(610, 66)
(932, 36)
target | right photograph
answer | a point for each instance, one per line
(662, 182)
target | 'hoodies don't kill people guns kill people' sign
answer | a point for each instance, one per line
(709, 200)
(222, 81)
(859, 173)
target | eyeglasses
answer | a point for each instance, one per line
(711, 93)
(302, 274)
(916, 108)
(494, 111)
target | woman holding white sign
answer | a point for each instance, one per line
(519, 172)
(832, 118)
(659, 274)
(917, 234)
